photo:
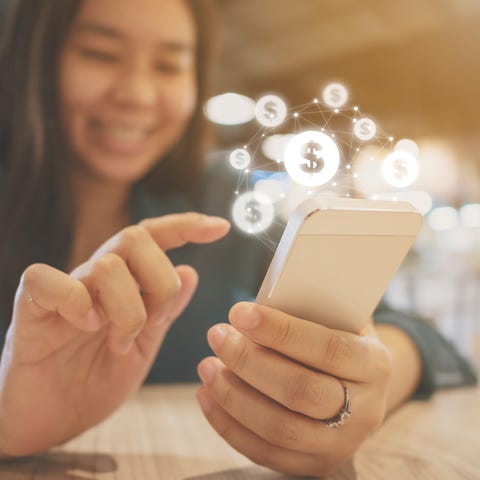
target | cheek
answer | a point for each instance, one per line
(182, 103)
(80, 88)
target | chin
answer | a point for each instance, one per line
(120, 170)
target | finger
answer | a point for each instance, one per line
(117, 297)
(261, 415)
(341, 354)
(175, 230)
(154, 332)
(149, 265)
(254, 447)
(287, 382)
(189, 280)
(44, 290)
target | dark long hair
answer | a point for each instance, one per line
(36, 205)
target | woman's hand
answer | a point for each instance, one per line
(276, 377)
(80, 344)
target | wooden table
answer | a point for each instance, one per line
(161, 434)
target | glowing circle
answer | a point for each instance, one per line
(312, 158)
(253, 212)
(400, 169)
(270, 111)
(230, 109)
(240, 159)
(365, 129)
(407, 145)
(442, 218)
(470, 215)
(335, 95)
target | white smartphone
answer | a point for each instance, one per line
(336, 258)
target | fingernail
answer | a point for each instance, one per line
(205, 403)
(247, 317)
(217, 336)
(207, 372)
(92, 320)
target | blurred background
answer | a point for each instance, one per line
(413, 67)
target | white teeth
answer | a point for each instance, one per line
(123, 132)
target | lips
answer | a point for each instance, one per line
(120, 138)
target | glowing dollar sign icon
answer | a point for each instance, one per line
(335, 96)
(400, 170)
(365, 129)
(240, 158)
(254, 214)
(270, 110)
(311, 153)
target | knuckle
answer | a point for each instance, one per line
(227, 398)
(145, 223)
(74, 291)
(305, 394)
(133, 234)
(240, 358)
(134, 322)
(285, 334)
(337, 349)
(195, 216)
(32, 274)
(107, 263)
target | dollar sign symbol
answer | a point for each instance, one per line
(240, 157)
(365, 129)
(399, 170)
(335, 96)
(270, 110)
(254, 215)
(311, 153)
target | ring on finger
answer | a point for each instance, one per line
(344, 412)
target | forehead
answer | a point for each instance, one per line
(142, 21)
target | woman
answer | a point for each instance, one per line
(100, 128)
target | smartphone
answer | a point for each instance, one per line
(336, 258)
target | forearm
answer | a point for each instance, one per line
(406, 364)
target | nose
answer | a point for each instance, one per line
(136, 87)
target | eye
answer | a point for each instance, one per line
(170, 68)
(101, 56)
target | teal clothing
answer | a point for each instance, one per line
(231, 270)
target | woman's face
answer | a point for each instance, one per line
(127, 84)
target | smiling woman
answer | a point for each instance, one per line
(127, 93)
(106, 93)
(101, 134)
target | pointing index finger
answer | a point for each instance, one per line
(175, 230)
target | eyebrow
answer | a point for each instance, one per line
(110, 32)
